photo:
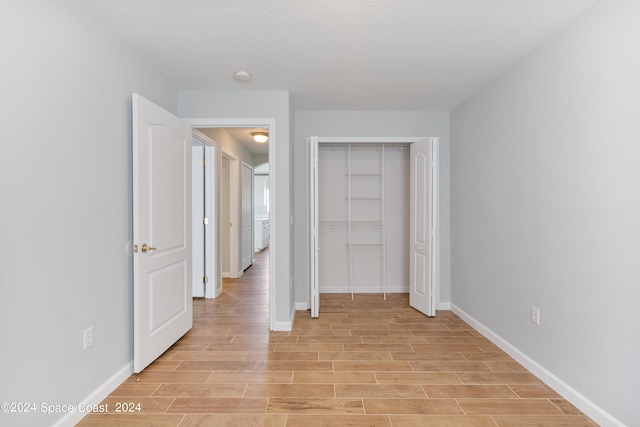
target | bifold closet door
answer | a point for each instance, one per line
(312, 157)
(424, 237)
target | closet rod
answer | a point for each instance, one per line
(399, 146)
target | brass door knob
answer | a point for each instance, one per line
(146, 248)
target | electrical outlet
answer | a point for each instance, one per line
(87, 336)
(535, 315)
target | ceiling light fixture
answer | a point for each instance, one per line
(242, 76)
(260, 137)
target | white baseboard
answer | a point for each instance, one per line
(578, 400)
(302, 306)
(285, 326)
(217, 292)
(213, 293)
(443, 306)
(364, 290)
(98, 395)
(228, 275)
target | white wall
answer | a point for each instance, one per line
(266, 105)
(545, 203)
(65, 179)
(364, 124)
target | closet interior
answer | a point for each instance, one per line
(363, 217)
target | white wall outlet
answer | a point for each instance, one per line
(535, 315)
(87, 336)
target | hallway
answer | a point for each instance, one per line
(364, 362)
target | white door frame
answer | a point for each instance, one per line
(313, 293)
(242, 213)
(270, 124)
(234, 215)
(212, 213)
(198, 226)
(376, 140)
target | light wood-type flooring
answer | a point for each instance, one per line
(364, 362)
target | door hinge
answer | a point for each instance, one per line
(205, 221)
(204, 162)
(205, 279)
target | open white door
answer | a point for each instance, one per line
(312, 143)
(423, 228)
(162, 310)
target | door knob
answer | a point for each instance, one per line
(146, 248)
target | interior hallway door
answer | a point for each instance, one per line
(162, 302)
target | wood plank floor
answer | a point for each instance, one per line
(364, 362)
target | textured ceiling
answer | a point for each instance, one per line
(337, 54)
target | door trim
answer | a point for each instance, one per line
(242, 195)
(234, 215)
(269, 123)
(387, 141)
(212, 211)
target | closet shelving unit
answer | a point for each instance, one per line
(365, 217)
(377, 201)
(373, 205)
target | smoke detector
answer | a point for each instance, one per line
(242, 76)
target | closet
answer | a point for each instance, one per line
(373, 217)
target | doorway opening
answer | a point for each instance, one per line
(360, 195)
(228, 214)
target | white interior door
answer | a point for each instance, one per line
(423, 225)
(198, 214)
(247, 216)
(312, 143)
(161, 230)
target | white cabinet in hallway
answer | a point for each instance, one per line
(261, 234)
